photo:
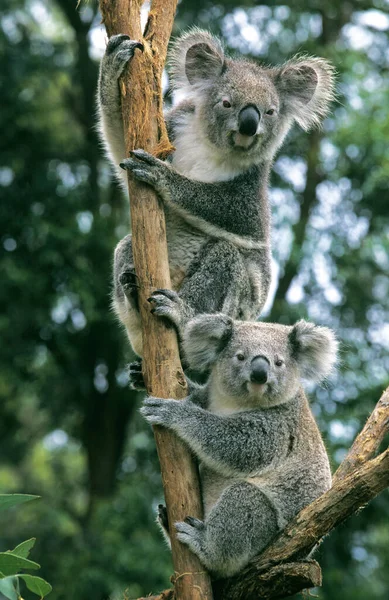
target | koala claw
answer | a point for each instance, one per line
(167, 304)
(128, 279)
(196, 523)
(135, 376)
(141, 171)
(145, 157)
(158, 411)
(148, 169)
(120, 49)
(162, 516)
(189, 535)
(114, 41)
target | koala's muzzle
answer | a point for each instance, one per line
(259, 369)
(248, 121)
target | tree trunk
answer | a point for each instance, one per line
(144, 128)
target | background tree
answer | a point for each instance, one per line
(69, 427)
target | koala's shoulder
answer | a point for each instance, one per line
(177, 117)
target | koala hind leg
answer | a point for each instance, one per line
(125, 301)
(217, 280)
(238, 527)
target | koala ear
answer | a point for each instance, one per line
(204, 338)
(197, 57)
(306, 86)
(314, 348)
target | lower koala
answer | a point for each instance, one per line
(261, 455)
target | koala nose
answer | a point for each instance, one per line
(248, 120)
(259, 369)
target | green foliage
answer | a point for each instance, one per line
(13, 561)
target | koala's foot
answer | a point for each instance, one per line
(148, 169)
(191, 533)
(135, 376)
(120, 49)
(168, 304)
(162, 518)
(129, 283)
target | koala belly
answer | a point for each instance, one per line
(213, 485)
(184, 244)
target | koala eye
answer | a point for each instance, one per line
(279, 362)
(270, 112)
(226, 104)
(240, 356)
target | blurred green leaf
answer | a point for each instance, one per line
(9, 500)
(7, 588)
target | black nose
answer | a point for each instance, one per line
(259, 369)
(249, 119)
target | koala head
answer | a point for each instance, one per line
(259, 364)
(242, 106)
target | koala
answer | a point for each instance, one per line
(262, 458)
(231, 118)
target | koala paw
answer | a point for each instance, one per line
(167, 304)
(129, 283)
(148, 169)
(189, 534)
(120, 49)
(135, 376)
(162, 517)
(158, 411)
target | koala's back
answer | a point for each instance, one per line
(298, 475)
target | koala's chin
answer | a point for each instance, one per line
(259, 393)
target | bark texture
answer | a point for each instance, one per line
(144, 128)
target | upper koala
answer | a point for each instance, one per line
(231, 118)
(261, 455)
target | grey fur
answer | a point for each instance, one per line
(215, 189)
(261, 455)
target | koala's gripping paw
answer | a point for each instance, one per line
(162, 517)
(167, 304)
(158, 411)
(191, 533)
(128, 281)
(120, 49)
(148, 169)
(135, 376)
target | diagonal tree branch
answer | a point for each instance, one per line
(368, 441)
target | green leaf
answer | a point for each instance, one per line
(10, 564)
(8, 500)
(24, 548)
(7, 588)
(37, 585)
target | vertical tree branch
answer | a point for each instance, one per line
(144, 128)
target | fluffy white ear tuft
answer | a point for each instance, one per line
(314, 348)
(306, 86)
(204, 338)
(197, 57)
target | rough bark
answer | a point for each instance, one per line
(144, 128)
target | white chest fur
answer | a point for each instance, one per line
(196, 158)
